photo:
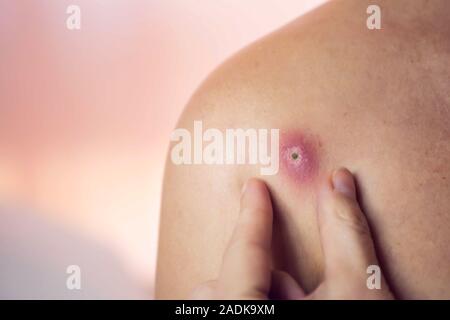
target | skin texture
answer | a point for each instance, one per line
(377, 102)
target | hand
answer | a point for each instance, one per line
(347, 246)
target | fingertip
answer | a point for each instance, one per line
(339, 190)
(253, 183)
(255, 193)
(344, 183)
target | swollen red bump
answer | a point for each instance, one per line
(299, 156)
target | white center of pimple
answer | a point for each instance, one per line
(294, 155)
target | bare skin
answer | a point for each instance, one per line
(376, 102)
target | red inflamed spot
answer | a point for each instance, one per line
(299, 157)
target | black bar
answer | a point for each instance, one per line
(181, 310)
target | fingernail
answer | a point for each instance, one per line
(343, 183)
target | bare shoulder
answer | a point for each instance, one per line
(328, 59)
(376, 102)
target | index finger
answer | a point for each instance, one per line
(246, 267)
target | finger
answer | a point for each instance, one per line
(284, 287)
(246, 268)
(346, 240)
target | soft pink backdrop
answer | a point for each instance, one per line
(84, 122)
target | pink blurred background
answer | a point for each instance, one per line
(85, 117)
